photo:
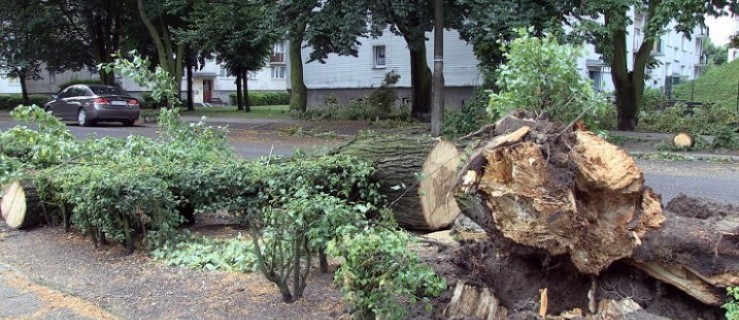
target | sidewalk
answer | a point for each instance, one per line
(20, 298)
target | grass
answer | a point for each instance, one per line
(718, 85)
(257, 112)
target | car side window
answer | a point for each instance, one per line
(64, 93)
(77, 92)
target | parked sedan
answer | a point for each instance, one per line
(88, 104)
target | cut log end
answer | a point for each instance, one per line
(437, 200)
(683, 140)
(20, 206)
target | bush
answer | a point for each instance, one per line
(257, 98)
(9, 102)
(653, 100)
(472, 116)
(708, 119)
(383, 98)
(541, 75)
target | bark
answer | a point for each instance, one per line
(420, 80)
(400, 161)
(245, 79)
(21, 207)
(437, 114)
(239, 92)
(299, 92)
(190, 102)
(24, 87)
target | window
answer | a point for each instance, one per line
(52, 78)
(278, 53)
(379, 56)
(223, 72)
(251, 75)
(278, 72)
(657, 46)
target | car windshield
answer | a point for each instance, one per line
(107, 90)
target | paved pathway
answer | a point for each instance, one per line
(21, 298)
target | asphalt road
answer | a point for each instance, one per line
(718, 181)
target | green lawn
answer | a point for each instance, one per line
(718, 85)
(257, 112)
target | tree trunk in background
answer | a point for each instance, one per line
(190, 102)
(245, 79)
(239, 96)
(420, 80)
(299, 92)
(24, 89)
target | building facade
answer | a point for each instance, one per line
(212, 83)
(348, 77)
(734, 52)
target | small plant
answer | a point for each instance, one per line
(235, 254)
(541, 75)
(381, 276)
(384, 97)
(732, 305)
(471, 117)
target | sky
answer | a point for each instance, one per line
(720, 29)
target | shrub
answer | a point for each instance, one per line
(383, 98)
(541, 75)
(653, 100)
(381, 275)
(9, 102)
(472, 116)
(257, 98)
(707, 119)
(732, 305)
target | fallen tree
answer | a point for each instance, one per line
(565, 192)
(416, 174)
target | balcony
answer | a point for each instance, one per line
(277, 58)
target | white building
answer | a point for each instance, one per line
(211, 83)
(9, 85)
(734, 52)
(352, 77)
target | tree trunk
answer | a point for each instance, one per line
(400, 162)
(20, 206)
(420, 81)
(239, 92)
(471, 301)
(298, 90)
(437, 113)
(190, 102)
(245, 79)
(24, 88)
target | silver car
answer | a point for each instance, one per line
(90, 103)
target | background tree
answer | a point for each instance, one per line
(336, 27)
(290, 18)
(159, 21)
(605, 23)
(232, 30)
(487, 24)
(31, 36)
(716, 55)
(99, 28)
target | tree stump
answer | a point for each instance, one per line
(416, 174)
(573, 194)
(683, 140)
(21, 207)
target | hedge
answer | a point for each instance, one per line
(257, 98)
(10, 101)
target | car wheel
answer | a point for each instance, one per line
(82, 119)
(128, 123)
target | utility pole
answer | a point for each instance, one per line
(437, 86)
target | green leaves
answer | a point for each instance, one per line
(381, 273)
(164, 88)
(541, 75)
